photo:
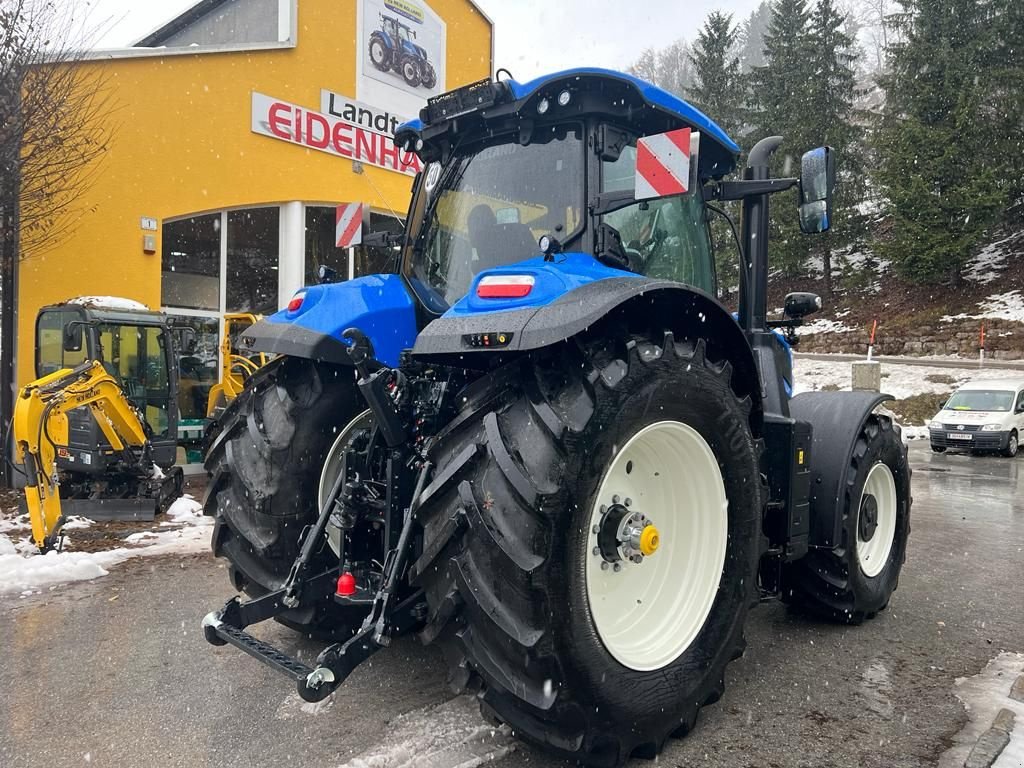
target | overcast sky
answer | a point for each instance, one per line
(531, 36)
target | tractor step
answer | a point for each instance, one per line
(214, 629)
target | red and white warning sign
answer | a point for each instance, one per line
(663, 164)
(348, 227)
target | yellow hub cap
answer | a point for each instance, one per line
(649, 540)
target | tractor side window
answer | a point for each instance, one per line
(665, 238)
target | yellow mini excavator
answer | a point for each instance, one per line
(236, 368)
(96, 432)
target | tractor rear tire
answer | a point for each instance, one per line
(380, 54)
(511, 572)
(265, 470)
(854, 581)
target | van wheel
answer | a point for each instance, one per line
(1011, 445)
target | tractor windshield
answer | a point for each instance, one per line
(487, 207)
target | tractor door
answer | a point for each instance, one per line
(666, 238)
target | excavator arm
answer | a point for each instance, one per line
(41, 427)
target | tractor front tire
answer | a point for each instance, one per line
(429, 76)
(411, 72)
(546, 464)
(854, 581)
(265, 469)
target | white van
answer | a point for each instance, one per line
(985, 415)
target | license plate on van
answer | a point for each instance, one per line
(961, 436)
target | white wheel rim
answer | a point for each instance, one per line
(377, 52)
(647, 614)
(332, 466)
(873, 553)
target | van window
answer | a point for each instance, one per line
(981, 400)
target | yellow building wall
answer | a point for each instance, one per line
(182, 144)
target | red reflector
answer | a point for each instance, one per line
(504, 286)
(346, 584)
(296, 302)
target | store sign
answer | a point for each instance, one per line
(357, 113)
(327, 133)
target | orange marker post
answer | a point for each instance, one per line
(981, 348)
(871, 342)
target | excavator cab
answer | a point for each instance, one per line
(136, 346)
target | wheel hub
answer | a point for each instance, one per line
(625, 535)
(868, 517)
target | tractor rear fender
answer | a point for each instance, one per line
(688, 312)
(378, 305)
(837, 419)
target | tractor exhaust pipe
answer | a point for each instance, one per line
(753, 310)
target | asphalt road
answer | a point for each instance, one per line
(924, 362)
(115, 672)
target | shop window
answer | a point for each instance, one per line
(372, 261)
(198, 368)
(320, 248)
(252, 260)
(191, 263)
(320, 239)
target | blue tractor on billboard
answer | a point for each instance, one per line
(542, 442)
(392, 49)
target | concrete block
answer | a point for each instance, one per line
(1017, 691)
(867, 376)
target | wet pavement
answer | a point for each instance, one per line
(115, 672)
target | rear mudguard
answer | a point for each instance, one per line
(837, 419)
(378, 305)
(570, 294)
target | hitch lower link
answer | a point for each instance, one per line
(336, 662)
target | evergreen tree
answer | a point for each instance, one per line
(718, 88)
(834, 122)
(781, 99)
(750, 42)
(719, 91)
(941, 169)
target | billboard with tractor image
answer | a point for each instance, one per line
(401, 54)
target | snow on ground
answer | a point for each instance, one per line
(984, 695)
(23, 570)
(900, 381)
(990, 261)
(998, 306)
(824, 325)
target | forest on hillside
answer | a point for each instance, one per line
(922, 100)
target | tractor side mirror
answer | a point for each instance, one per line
(817, 180)
(799, 305)
(72, 336)
(384, 239)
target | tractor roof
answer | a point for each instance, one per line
(626, 98)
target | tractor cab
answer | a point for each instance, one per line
(135, 346)
(512, 166)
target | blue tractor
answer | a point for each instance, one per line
(392, 48)
(542, 442)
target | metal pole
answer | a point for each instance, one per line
(351, 263)
(753, 308)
